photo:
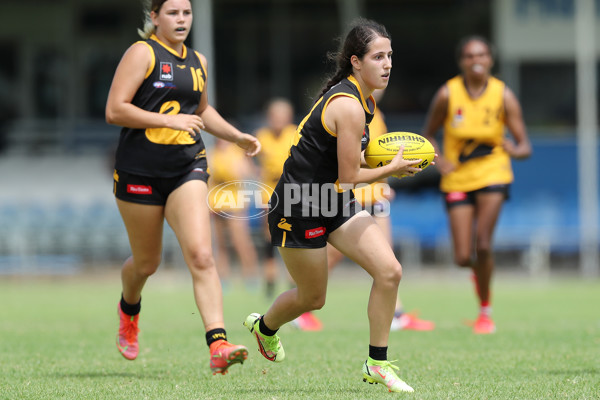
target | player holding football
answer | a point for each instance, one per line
(376, 199)
(474, 108)
(327, 152)
(159, 96)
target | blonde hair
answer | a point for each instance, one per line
(149, 5)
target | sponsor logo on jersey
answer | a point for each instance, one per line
(314, 233)
(181, 66)
(458, 117)
(286, 226)
(139, 189)
(166, 71)
(162, 85)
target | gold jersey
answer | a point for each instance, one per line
(274, 152)
(227, 164)
(368, 195)
(473, 136)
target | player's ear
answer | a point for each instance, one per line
(355, 61)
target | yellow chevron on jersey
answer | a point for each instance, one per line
(473, 136)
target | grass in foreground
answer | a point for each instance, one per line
(57, 342)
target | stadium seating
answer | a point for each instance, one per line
(64, 222)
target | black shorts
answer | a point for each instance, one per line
(305, 232)
(461, 198)
(149, 190)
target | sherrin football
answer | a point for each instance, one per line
(381, 150)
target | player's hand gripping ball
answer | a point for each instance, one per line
(382, 149)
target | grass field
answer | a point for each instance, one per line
(57, 342)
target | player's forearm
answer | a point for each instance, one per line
(131, 116)
(216, 125)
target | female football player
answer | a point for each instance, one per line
(474, 108)
(158, 95)
(312, 203)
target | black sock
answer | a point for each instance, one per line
(265, 329)
(215, 334)
(130, 309)
(378, 353)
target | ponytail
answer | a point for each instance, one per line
(150, 6)
(356, 43)
(148, 28)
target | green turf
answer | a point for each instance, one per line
(57, 342)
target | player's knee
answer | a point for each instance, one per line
(316, 302)
(391, 275)
(313, 301)
(483, 242)
(201, 259)
(484, 251)
(396, 274)
(462, 260)
(147, 266)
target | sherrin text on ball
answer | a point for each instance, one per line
(382, 149)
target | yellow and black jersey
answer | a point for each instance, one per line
(173, 85)
(313, 155)
(274, 152)
(473, 136)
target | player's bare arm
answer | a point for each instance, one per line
(345, 117)
(521, 147)
(216, 125)
(433, 122)
(129, 76)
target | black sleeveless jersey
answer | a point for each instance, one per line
(173, 85)
(313, 156)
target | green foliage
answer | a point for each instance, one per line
(57, 342)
